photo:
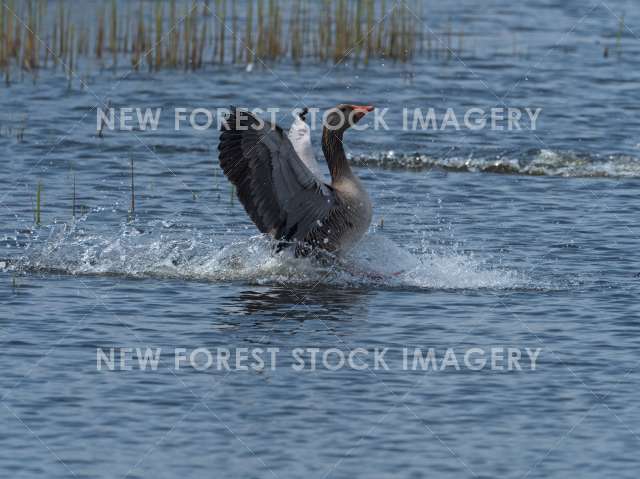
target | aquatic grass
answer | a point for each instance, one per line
(37, 212)
(159, 15)
(73, 207)
(171, 52)
(30, 56)
(201, 44)
(234, 28)
(70, 58)
(100, 34)
(17, 132)
(113, 33)
(2, 37)
(248, 29)
(221, 7)
(196, 34)
(132, 208)
(20, 134)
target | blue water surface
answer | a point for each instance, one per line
(481, 239)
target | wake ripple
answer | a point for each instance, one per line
(533, 162)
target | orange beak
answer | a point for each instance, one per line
(364, 109)
(360, 111)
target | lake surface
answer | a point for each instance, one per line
(481, 239)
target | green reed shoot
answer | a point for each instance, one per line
(38, 208)
(195, 34)
(132, 209)
(73, 207)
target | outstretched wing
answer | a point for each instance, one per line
(282, 197)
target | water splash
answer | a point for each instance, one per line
(431, 269)
(532, 162)
(162, 250)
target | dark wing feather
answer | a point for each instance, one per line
(328, 232)
(280, 194)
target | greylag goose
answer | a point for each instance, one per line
(281, 194)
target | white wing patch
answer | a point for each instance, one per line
(300, 138)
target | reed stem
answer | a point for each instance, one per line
(38, 208)
(224, 31)
(132, 210)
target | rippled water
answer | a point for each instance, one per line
(481, 239)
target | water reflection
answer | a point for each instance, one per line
(297, 303)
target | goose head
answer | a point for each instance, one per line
(344, 116)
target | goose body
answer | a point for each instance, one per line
(282, 194)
